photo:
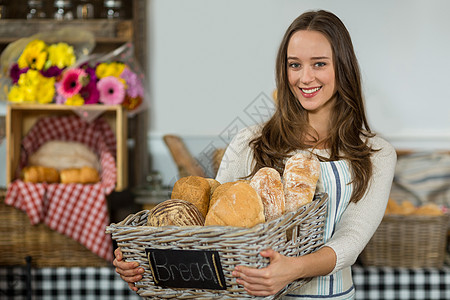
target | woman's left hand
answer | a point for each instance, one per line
(269, 280)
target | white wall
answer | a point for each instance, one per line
(210, 60)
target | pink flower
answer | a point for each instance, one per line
(71, 82)
(111, 90)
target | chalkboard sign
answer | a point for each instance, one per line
(186, 268)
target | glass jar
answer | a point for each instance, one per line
(113, 9)
(85, 9)
(35, 10)
(63, 10)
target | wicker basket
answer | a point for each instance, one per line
(46, 247)
(408, 241)
(234, 245)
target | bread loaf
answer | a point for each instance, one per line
(64, 155)
(213, 184)
(267, 183)
(300, 177)
(239, 205)
(80, 175)
(194, 189)
(175, 212)
(36, 174)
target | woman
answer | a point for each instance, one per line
(320, 109)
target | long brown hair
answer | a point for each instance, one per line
(286, 131)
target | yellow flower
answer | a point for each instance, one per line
(33, 56)
(109, 69)
(76, 100)
(16, 94)
(35, 87)
(61, 55)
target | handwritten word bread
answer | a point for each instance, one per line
(64, 155)
(36, 174)
(300, 177)
(175, 212)
(79, 175)
(239, 205)
(267, 183)
(406, 208)
(194, 189)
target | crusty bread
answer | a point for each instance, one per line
(36, 174)
(79, 175)
(175, 212)
(194, 189)
(300, 177)
(64, 155)
(267, 183)
(239, 205)
(213, 184)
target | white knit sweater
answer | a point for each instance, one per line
(359, 221)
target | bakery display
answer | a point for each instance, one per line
(194, 189)
(406, 208)
(300, 177)
(267, 183)
(239, 205)
(175, 212)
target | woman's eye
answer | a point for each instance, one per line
(320, 64)
(294, 65)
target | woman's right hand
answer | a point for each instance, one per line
(128, 271)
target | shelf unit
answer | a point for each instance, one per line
(109, 34)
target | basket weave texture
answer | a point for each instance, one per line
(46, 247)
(412, 241)
(235, 245)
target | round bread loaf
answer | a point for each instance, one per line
(267, 183)
(194, 189)
(239, 205)
(300, 177)
(175, 212)
(213, 184)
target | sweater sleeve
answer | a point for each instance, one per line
(237, 159)
(360, 220)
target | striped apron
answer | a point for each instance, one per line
(334, 177)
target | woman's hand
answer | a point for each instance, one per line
(128, 271)
(269, 280)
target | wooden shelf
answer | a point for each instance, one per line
(105, 31)
(21, 117)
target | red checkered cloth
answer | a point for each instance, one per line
(76, 210)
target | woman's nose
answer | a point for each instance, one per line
(307, 76)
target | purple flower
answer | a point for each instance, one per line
(53, 71)
(134, 85)
(111, 90)
(90, 93)
(59, 99)
(15, 72)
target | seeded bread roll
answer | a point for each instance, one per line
(175, 212)
(239, 205)
(300, 177)
(267, 183)
(194, 189)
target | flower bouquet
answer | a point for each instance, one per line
(64, 72)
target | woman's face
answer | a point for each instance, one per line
(310, 70)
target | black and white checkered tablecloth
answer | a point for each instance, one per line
(64, 283)
(397, 283)
(103, 283)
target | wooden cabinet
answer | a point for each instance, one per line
(109, 34)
